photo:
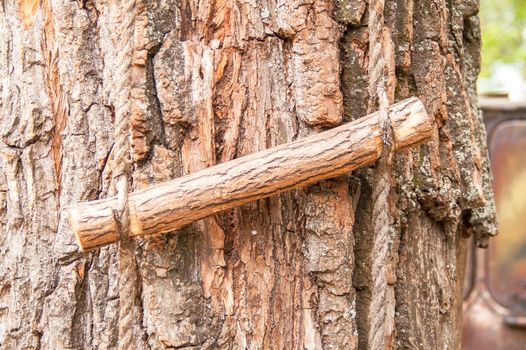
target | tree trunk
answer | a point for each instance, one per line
(204, 82)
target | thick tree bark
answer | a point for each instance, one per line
(210, 81)
(173, 204)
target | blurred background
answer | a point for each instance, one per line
(503, 25)
(495, 283)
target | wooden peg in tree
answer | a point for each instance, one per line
(165, 207)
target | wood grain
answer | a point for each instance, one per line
(165, 207)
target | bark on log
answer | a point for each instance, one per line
(168, 206)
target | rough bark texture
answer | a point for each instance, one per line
(212, 81)
(173, 204)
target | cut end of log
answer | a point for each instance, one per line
(93, 224)
(168, 206)
(73, 223)
(410, 122)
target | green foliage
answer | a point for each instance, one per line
(503, 34)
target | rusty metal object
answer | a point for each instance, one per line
(495, 304)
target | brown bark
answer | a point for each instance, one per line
(169, 206)
(213, 81)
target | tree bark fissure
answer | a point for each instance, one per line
(212, 81)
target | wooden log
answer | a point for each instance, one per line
(165, 207)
